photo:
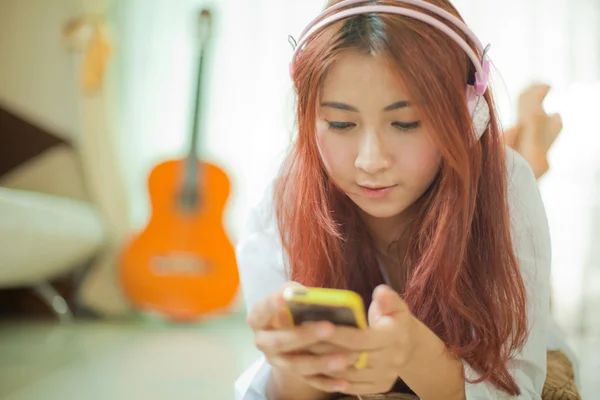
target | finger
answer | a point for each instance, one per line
(380, 358)
(282, 320)
(388, 301)
(308, 364)
(367, 388)
(380, 335)
(357, 340)
(327, 384)
(330, 384)
(325, 348)
(385, 313)
(358, 376)
(262, 314)
(373, 313)
(289, 340)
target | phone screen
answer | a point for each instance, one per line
(302, 312)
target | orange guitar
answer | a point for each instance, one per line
(183, 264)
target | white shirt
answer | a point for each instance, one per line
(262, 267)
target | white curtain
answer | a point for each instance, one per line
(249, 98)
(248, 93)
(558, 42)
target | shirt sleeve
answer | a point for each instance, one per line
(531, 241)
(260, 262)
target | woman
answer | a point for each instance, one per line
(399, 176)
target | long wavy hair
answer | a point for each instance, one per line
(462, 276)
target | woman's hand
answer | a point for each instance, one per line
(286, 349)
(389, 341)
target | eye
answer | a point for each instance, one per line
(341, 126)
(406, 126)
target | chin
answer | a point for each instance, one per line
(380, 209)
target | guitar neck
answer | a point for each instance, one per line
(204, 33)
(195, 134)
(190, 193)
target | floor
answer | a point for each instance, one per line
(151, 360)
(123, 361)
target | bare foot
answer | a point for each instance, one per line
(536, 131)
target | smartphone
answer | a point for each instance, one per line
(340, 307)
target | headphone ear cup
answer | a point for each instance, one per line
(471, 96)
(479, 111)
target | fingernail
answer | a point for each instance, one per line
(381, 287)
(339, 387)
(324, 331)
(336, 365)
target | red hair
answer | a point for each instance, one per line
(462, 277)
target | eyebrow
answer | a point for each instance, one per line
(346, 107)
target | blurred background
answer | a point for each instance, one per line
(94, 94)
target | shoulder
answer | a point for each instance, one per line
(259, 252)
(525, 202)
(262, 215)
(530, 231)
(260, 239)
(519, 173)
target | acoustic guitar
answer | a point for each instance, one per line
(182, 265)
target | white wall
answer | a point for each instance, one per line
(248, 94)
(37, 79)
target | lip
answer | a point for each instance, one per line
(377, 192)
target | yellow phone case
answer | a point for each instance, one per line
(330, 298)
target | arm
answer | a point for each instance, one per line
(433, 373)
(262, 272)
(284, 386)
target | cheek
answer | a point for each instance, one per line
(337, 159)
(420, 162)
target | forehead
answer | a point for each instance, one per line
(354, 75)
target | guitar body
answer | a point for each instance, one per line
(182, 265)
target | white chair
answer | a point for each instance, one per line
(44, 236)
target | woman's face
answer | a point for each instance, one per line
(370, 137)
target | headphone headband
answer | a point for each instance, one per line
(330, 15)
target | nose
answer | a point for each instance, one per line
(372, 156)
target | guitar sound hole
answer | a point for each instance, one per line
(188, 199)
(181, 264)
